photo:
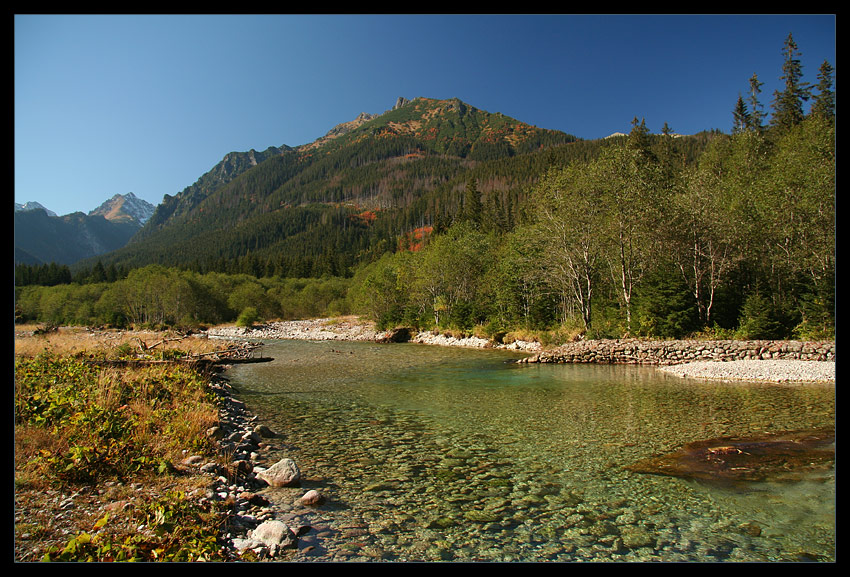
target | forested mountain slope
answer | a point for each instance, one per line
(322, 207)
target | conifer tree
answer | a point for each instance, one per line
(756, 109)
(824, 104)
(639, 136)
(472, 206)
(740, 117)
(788, 103)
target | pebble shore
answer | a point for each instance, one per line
(776, 371)
(702, 361)
(348, 329)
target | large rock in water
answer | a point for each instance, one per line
(284, 473)
(775, 457)
(275, 535)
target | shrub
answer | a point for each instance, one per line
(248, 317)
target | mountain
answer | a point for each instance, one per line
(41, 238)
(322, 206)
(33, 206)
(125, 208)
(358, 191)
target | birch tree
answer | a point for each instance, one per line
(568, 225)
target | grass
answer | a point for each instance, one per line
(87, 430)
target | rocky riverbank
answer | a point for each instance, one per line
(773, 361)
(791, 361)
(647, 352)
(353, 329)
(258, 527)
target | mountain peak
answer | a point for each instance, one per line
(33, 206)
(125, 207)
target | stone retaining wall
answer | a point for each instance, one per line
(641, 352)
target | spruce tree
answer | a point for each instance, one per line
(639, 136)
(740, 117)
(472, 206)
(756, 109)
(824, 104)
(788, 104)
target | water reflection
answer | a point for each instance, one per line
(458, 450)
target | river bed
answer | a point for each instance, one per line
(439, 454)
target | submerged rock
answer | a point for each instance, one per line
(775, 457)
(312, 498)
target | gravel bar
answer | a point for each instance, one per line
(777, 371)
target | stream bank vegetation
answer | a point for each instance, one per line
(98, 450)
(739, 245)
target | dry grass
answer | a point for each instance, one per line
(164, 426)
(73, 340)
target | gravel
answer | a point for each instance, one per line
(777, 371)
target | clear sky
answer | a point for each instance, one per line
(146, 104)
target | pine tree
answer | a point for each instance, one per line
(824, 104)
(788, 104)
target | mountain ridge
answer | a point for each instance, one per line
(41, 236)
(32, 205)
(390, 162)
(353, 193)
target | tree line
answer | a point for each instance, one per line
(159, 297)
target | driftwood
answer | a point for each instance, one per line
(146, 347)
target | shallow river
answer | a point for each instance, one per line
(443, 454)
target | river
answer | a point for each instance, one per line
(429, 453)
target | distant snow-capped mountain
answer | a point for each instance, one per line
(33, 206)
(42, 237)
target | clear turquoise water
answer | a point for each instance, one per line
(435, 453)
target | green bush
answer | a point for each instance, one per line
(248, 317)
(183, 531)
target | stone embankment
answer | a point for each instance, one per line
(644, 352)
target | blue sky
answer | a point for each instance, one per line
(146, 103)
